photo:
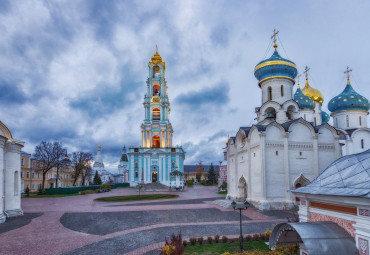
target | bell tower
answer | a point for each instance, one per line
(156, 129)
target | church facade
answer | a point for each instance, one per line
(156, 160)
(98, 166)
(10, 174)
(290, 144)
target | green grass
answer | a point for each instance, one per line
(135, 197)
(222, 192)
(51, 195)
(226, 247)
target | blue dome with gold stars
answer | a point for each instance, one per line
(348, 100)
(275, 67)
(325, 117)
(304, 102)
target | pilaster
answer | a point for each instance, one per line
(315, 153)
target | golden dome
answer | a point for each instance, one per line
(156, 59)
(313, 93)
(99, 146)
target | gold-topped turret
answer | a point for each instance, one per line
(156, 59)
(99, 147)
(313, 93)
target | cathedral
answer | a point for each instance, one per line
(156, 160)
(98, 166)
(292, 142)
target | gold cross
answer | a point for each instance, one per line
(347, 72)
(156, 48)
(306, 69)
(274, 36)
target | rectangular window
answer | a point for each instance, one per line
(28, 174)
(38, 175)
(27, 186)
(173, 149)
(33, 186)
(347, 120)
(21, 174)
(33, 175)
(136, 174)
(22, 161)
(39, 186)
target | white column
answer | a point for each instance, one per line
(315, 153)
(263, 175)
(286, 167)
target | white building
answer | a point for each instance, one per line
(10, 174)
(105, 176)
(290, 144)
(122, 175)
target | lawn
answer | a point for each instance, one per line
(226, 247)
(222, 192)
(51, 195)
(135, 197)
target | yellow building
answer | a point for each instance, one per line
(32, 176)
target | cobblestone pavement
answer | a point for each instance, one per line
(78, 225)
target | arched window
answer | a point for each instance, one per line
(269, 93)
(282, 90)
(362, 143)
(304, 116)
(314, 119)
(156, 90)
(136, 164)
(156, 141)
(16, 183)
(347, 120)
(156, 114)
(359, 118)
(156, 71)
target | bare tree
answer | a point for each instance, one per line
(45, 158)
(60, 154)
(81, 162)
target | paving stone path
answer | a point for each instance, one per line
(79, 225)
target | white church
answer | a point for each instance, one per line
(292, 142)
(10, 174)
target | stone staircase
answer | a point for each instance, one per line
(155, 187)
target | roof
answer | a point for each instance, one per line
(347, 176)
(317, 237)
(303, 101)
(193, 168)
(349, 99)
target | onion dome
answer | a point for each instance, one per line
(304, 102)
(313, 93)
(275, 67)
(325, 117)
(156, 59)
(348, 100)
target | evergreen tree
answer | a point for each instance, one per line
(97, 180)
(212, 175)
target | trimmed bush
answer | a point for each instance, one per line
(193, 240)
(248, 238)
(200, 240)
(105, 186)
(224, 239)
(262, 236)
(267, 234)
(209, 240)
(217, 238)
(256, 237)
(185, 243)
(85, 192)
(190, 183)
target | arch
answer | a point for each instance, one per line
(4, 131)
(269, 93)
(277, 125)
(156, 71)
(300, 181)
(16, 183)
(156, 141)
(331, 128)
(289, 103)
(156, 114)
(270, 112)
(156, 90)
(242, 189)
(290, 113)
(241, 138)
(303, 122)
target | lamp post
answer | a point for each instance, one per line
(240, 207)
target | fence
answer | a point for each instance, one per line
(72, 190)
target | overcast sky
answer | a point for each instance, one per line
(75, 71)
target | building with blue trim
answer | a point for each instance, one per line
(156, 160)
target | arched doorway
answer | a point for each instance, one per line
(156, 114)
(156, 90)
(156, 141)
(242, 189)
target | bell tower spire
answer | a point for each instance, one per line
(156, 128)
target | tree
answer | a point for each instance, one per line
(60, 154)
(212, 175)
(45, 157)
(199, 172)
(81, 162)
(97, 179)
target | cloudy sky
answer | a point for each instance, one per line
(75, 71)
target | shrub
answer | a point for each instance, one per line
(105, 186)
(40, 191)
(168, 249)
(193, 240)
(287, 249)
(256, 237)
(85, 192)
(217, 238)
(267, 234)
(248, 238)
(200, 240)
(224, 239)
(262, 236)
(224, 186)
(190, 183)
(185, 243)
(27, 191)
(176, 242)
(209, 240)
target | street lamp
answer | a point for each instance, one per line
(240, 207)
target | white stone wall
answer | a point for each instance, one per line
(275, 85)
(340, 119)
(357, 136)
(307, 115)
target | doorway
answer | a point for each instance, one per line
(154, 176)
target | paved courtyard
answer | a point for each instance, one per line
(78, 225)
